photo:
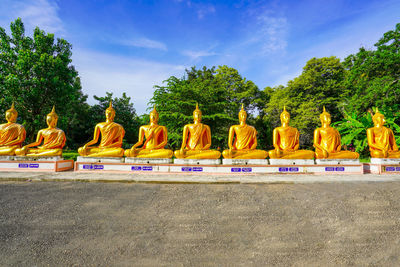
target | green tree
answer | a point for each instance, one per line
(320, 84)
(37, 73)
(219, 92)
(374, 75)
(125, 114)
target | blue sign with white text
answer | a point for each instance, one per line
(236, 169)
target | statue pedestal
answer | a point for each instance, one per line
(148, 160)
(337, 161)
(100, 160)
(197, 161)
(291, 161)
(387, 161)
(35, 164)
(383, 166)
(23, 158)
(244, 161)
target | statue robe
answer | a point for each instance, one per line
(330, 140)
(10, 132)
(386, 138)
(53, 138)
(110, 134)
(245, 138)
(197, 137)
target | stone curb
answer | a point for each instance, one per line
(191, 178)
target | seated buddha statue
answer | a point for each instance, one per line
(196, 140)
(381, 141)
(286, 141)
(12, 134)
(156, 139)
(53, 140)
(242, 141)
(327, 141)
(111, 138)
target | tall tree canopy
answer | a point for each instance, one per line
(320, 84)
(37, 73)
(219, 92)
(374, 76)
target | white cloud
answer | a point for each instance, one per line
(102, 72)
(270, 32)
(41, 13)
(145, 43)
(195, 55)
(203, 10)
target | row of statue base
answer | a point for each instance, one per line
(219, 161)
(198, 166)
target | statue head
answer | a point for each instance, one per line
(325, 117)
(285, 116)
(11, 114)
(52, 118)
(197, 113)
(154, 115)
(378, 118)
(242, 114)
(110, 112)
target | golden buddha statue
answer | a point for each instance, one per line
(12, 134)
(381, 141)
(286, 141)
(196, 141)
(111, 138)
(156, 139)
(242, 141)
(327, 141)
(52, 137)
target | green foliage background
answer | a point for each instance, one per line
(37, 73)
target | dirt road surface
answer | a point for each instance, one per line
(133, 224)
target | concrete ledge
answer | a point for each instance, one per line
(148, 160)
(291, 161)
(101, 160)
(244, 161)
(197, 161)
(382, 168)
(337, 161)
(194, 178)
(22, 158)
(385, 161)
(36, 166)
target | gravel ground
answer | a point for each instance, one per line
(131, 224)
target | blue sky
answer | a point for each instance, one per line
(130, 46)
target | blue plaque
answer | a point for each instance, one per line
(283, 169)
(397, 169)
(339, 169)
(23, 165)
(186, 169)
(34, 165)
(87, 167)
(329, 169)
(247, 169)
(98, 167)
(390, 169)
(147, 168)
(294, 169)
(236, 169)
(197, 169)
(136, 168)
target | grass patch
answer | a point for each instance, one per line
(70, 154)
